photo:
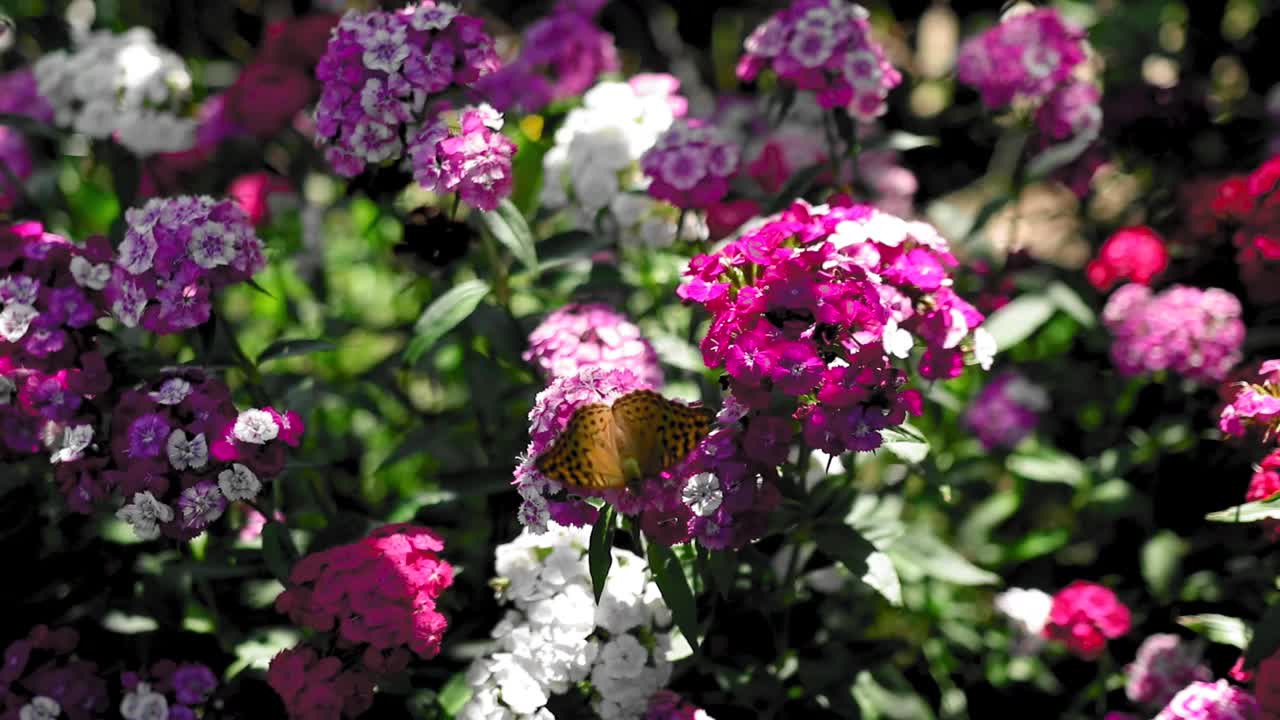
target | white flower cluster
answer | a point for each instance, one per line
(595, 165)
(124, 85)
(555, 636)
(143, 703)
(1028, 612)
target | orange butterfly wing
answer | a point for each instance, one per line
(656, 432)
(586, 453)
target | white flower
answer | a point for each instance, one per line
(211, 245)
(623, 657)
(1028, 608)
(433, 18)
(520, 691)
(144, 704)
(184, 453)
(145, 514)
(129, 305)
(984, 347)
(385, 49)
(239, 483)
(255, 426)
(15, 320)
(40, 708)
(7, 388)
(702, 494)
(171, 392)
(89, 275)
(74, 441)
(137, 252)
(897, 341)
(1027, 394)
(957, 328)
(19, 289)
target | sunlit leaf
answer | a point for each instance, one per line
(443, 315)
(671, 582)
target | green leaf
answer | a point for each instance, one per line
(1048, 465)
(278, 550)
(29, 126)
(257, 651)
(123, 624)
(846, 545)
(571, 245)
(1161, 562)
(985, 213)
(903, 141)
(1265, 637)
(600, 554)
(1057, 156)
(878, 702)
(882, 577)
(454, 694)
(906, 443)
(724, 569)
(508, 226)
(670, 579)
(677, 352)
(1037, 543)
(293, 348)
(1221, 629)
(443, 315)
(1070, 302)
(920, 549)
(1268, 509)
(1018, 320)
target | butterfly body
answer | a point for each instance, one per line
(638, 437)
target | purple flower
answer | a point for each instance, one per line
(200, 505)
(1006, 410)
(147, 435)
(193, 683)
(464, 152)
(690, 165)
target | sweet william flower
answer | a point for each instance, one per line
(591, 335)
(1211, 701)
(1134, 254)
(1164, 665)
(1084, 616)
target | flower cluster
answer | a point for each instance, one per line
(1006, 410)
(18, 96)
(176, 253)
(577, 336)
(50, 297)
(271, 90)
(690, 165)
(594, 165)
(666, 705)
(464, 151)
(379, 70)
(556, 637)
(315, 687)
(168, 690)
(1210, 701)
(1026, 56)
(816, 305)
(824, 46)
(562, 55)
(181, 453)
(123, 86)
(379, 594)
(1164, 665)
(1250, 206)
(1193, 332)
(41, 679)
(1254, 405)
(1084, 617)
(1132, 254)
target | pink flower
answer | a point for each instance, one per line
(465, 154)
(1071, 110)
(253, 191)
(1211, 701)
(1196, 333)
(591, 335)
(1084, 616)
(690, 165)
(1026, 55)
(1163, 666)
(1135, 254)
(319, 688)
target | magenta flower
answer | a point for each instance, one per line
(690, 165)
(577, 336)
(1211, 701)
(464, 152)
(1193, 332)
(1027, 55)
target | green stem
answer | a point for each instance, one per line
(833, 146)
(501, 286)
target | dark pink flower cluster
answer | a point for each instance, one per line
(381, 68)
(1251, 207)
(181, 453)
(1255, 406)
(1072, 110)
(1265, 482)
(1193, 332)
(379, 594)
(582, 335)
(1084, 617)
(1211, 701)
(1164, 665)
(1134, 254)
(1028, 55)
(814, 306)
(690, 165)
(824, 46)
(278, 84)
(176, 253)
(176, 691)
(315, 687)
(666, 705)
(42, 678)
(50, 365)
(1006, 410)
(562, 55)
(464, 151)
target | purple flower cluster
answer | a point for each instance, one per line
(1027, 55)
(1006, 410)
(41, 678)
(690, 165)
(1193, 332)
(1211, 701)
(50, 296)
(824, 46)
(176, 252)
(18, 96)
(380, 69)
(180, 453)
(1072, 110)
(814, 306)
(1255, 406)
(595, 335)
(168, 690)
(463, 151)
(1163, 666)
(562, 55)
(666, 705)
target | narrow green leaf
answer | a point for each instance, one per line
(1019, 320)
(724, 569)
(600, 554)
(293, 348)
(670, 579)
(1057, 156)
(985, 213)
(846, 545)
(454, 694)
(443, 315)
(508, 226)
(278, 550)
(1268, 509)
(1218, 628)
(883, 578)
(1265, 637)
(907, 444)
(1048, 465)
(1162, 561)
(1070, 302)
(922, 550)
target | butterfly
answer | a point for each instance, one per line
(639, 436)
